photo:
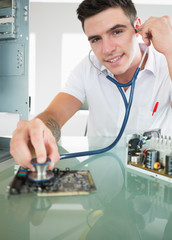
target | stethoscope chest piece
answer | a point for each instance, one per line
(41, 174)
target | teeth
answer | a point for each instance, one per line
(115, 59)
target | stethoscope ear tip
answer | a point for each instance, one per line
(138, 30)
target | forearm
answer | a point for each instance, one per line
(51, 123)
(60, 110)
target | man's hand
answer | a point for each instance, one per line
(158, 30)
(33, 139)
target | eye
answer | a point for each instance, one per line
(117, 32)
(95, 40)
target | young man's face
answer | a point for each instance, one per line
(113, 40)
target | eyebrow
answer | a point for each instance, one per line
(109, 30)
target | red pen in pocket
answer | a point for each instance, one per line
(155, 108)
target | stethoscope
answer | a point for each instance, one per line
(127, 104)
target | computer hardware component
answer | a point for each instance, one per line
(64, 182)
(151, 154)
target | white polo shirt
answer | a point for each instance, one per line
(106, 107)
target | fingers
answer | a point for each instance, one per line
(36, 133)
(147, 37)
(51, 148)
(33, 138)
(19, 147)
(157, 30)
(146, 32)
(44, 144)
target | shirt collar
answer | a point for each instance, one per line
(151, 63)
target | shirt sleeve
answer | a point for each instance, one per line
(75, 83)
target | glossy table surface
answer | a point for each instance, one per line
(127, 205)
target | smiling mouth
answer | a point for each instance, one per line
(115, 59)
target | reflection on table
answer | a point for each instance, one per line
(127, 205)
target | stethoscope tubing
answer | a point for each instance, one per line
(126, 116)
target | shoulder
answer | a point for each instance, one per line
(159, 58)
(156, 62)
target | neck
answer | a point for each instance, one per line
(128, 75)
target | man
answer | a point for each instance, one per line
(112, 28)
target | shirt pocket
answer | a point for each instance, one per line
(145, 119)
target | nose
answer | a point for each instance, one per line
(108, 46)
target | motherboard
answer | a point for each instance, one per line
(60, 183)
(151, 154)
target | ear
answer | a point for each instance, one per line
(137, 23)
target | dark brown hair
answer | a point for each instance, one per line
(89, 8)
